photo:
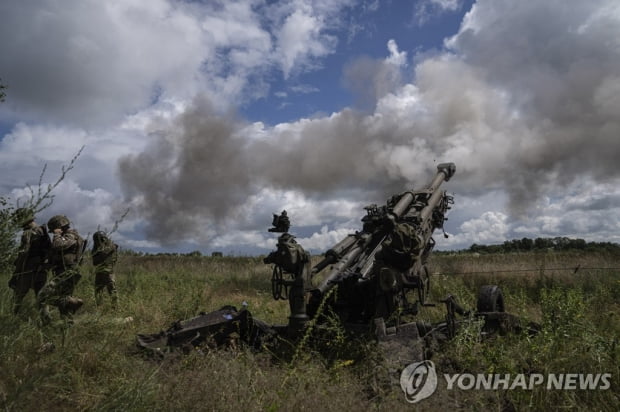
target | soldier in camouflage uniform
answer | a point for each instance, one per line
(65, 257)
(105, 255)
(29, 266)
(394, 261)
(281, 224)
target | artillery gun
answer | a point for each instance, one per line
(367, 279)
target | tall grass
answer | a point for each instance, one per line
(95, 364)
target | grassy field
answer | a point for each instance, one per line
(95, 364)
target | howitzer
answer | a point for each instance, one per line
(367, 276)
(375, 267)
(365, 280)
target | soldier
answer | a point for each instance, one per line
(105, 255)
(65, 257)
(394, 261)
(29, 265)
(281, 224)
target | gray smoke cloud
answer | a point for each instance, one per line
(194, 166)
(202, 166)
(370, 80)
(526, 96)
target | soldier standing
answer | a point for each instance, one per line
(65, 256)
(281, 224)
(105, 255)
(29, 265)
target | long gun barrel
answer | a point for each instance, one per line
(355, 255)
(351, 255)
(445, 171)
(333, 254)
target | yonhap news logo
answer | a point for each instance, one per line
(419, 381)
(551, 381)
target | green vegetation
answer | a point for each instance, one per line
(8, 233)
(580, 329)
(95, 364)
(544, 244)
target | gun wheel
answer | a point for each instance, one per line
(490, 299)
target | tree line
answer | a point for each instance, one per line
(544, 244)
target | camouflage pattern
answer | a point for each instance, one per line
(30, 262)
(398, 253)
(66, 250)
(65, 256)
(58, 222)
(401, 247)
(290, 255)
(104, 255)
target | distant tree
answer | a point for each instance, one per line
(475, 248)
(556, 243)
(542, 243)
(527, 244)
(561, 243)
(577, 244)
(512, 245)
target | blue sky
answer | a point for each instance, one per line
(205, 117)
(366, 31)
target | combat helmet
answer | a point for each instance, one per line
(23, 216)
(100, 237)
(57, 222)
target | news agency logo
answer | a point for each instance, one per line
(552, 381)
(418, 381)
